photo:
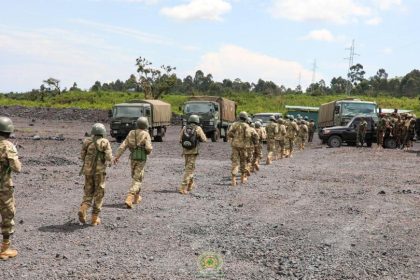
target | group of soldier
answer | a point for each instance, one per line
(401, 127)
(281, 135)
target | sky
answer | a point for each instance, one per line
(84, 41)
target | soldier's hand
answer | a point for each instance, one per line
(115, 160)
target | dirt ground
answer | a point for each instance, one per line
(344, 213)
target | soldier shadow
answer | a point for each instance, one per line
(165, 191)
(64, 228)
(115, 206)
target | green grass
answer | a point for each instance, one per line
(251, 103)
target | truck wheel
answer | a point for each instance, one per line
(334, 141)
(119, 139)
(390, 143)
(225, 139)
(215, 136)
(158, 138)
(369, 144)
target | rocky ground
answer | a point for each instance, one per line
(342, 213)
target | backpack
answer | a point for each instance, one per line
(189, 138)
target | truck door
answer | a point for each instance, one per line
(350, 133)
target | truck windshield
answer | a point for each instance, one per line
(198, 108)
(264, 118)
(353, 109)
(127, 112)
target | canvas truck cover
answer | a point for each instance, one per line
(228, 107)
(326, 114)
(161, 111)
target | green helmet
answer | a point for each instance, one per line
(98, 129)
(6, 125)
(252, 125)
(243, 115)
(291, 117)
(280, 121)
(257, 124)
(249, 120)
(142, 123)
(194, 119)
(306, 118)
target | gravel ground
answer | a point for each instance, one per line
(342, 213)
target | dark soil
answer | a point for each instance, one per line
(344, 213)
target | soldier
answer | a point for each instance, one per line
(140, 145)
(361, 132)
(382, 124)
(239, 134)
(191, 135)
(258, 147)
(272, 130)
(311, 130)
(397, 130)
(251, 143)
(280, 138)
(410, 133)
(9, 162)
(292, 130)
(96, 155)
(302, 135)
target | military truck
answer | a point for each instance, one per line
(340, 112)
(216, 115)
(123, 118)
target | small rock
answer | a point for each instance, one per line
(36, 137)
(21, 222)
(381, 192)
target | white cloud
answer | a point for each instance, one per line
(198, 9)
(320, 35)
(232, 62)
(387, 4)
(374, 21)
(341, 11)
(387, 51)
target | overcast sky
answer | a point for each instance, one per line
(87, 40)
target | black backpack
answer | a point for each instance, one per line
(189, 138)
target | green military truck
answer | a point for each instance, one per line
(123, 118)
(216, 114)
(340, 112)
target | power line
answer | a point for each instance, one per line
(351, 60)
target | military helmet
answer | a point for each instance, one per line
(249, 120)
(291, 117)
(98, 129)
(281, 121)
(243, 115)
(257, 124)
(272, 118)
(306, 118)
(6, 125)
(194, 119)
(142, 123)
(252, 125)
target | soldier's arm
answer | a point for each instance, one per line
(201, 135)
(108, 151)
(276, 129)
(231, 132)
(180, 134)
(148, 144)
(121, 149)
(84, 150)
(12, 157)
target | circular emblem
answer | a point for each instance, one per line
(210, 261)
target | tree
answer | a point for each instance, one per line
(155, 82)
(356, 74)
(410, 84)
(52, 85)
(131, 83)
(338, 85)
(97, 86)
(74, 87)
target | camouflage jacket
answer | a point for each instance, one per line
(138, 136)
(9, 162)
(292, 130)
(262, 135)
(281, 132)
(362, 127)
(201, 137)
(303, 130)
(254, 139)
(311, 127)
(96, 155)
(272, 130)
(240, 134)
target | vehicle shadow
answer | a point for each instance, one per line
(64, 228)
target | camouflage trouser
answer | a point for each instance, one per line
(361, 138)
(280, 148)
(290, 142)
(257, 154)
(94, 190)
(137, 174)
(239, 160)
(310, 137)
(7, 211)
(380, 136)
(271, 148)
(189, 170)
(249, 157)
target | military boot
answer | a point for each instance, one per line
(83, 213)
(137, 199)
(129, 201)
(6, 252)
(244, 179)
(182, 190)
(257, 167)
(190, 185)
(268, 162)
(95, 220)
(234, 181)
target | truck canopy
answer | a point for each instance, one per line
(161, 111)
(227, 107)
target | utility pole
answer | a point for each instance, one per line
(351, 60)
(300, 81)
(314, 67)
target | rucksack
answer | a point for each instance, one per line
(189, 138)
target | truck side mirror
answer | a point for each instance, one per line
(147, 112)
(110, 113)
(337, 109)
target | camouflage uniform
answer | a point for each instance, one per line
(96, 155)
(292, 130)
(302, 135)
(239, 134)
(382, 124)
(258, 147)
(142, 139)
(311, 131)
(9, 162)
(280, 139)
(190, 156)
(250, 147)
(361, 133)
(272, 130)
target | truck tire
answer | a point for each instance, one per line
(158, 138)
(225, 139)
(390, 143)
(334, 141)
(369, 144)
(215, 136)
(119, 139)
